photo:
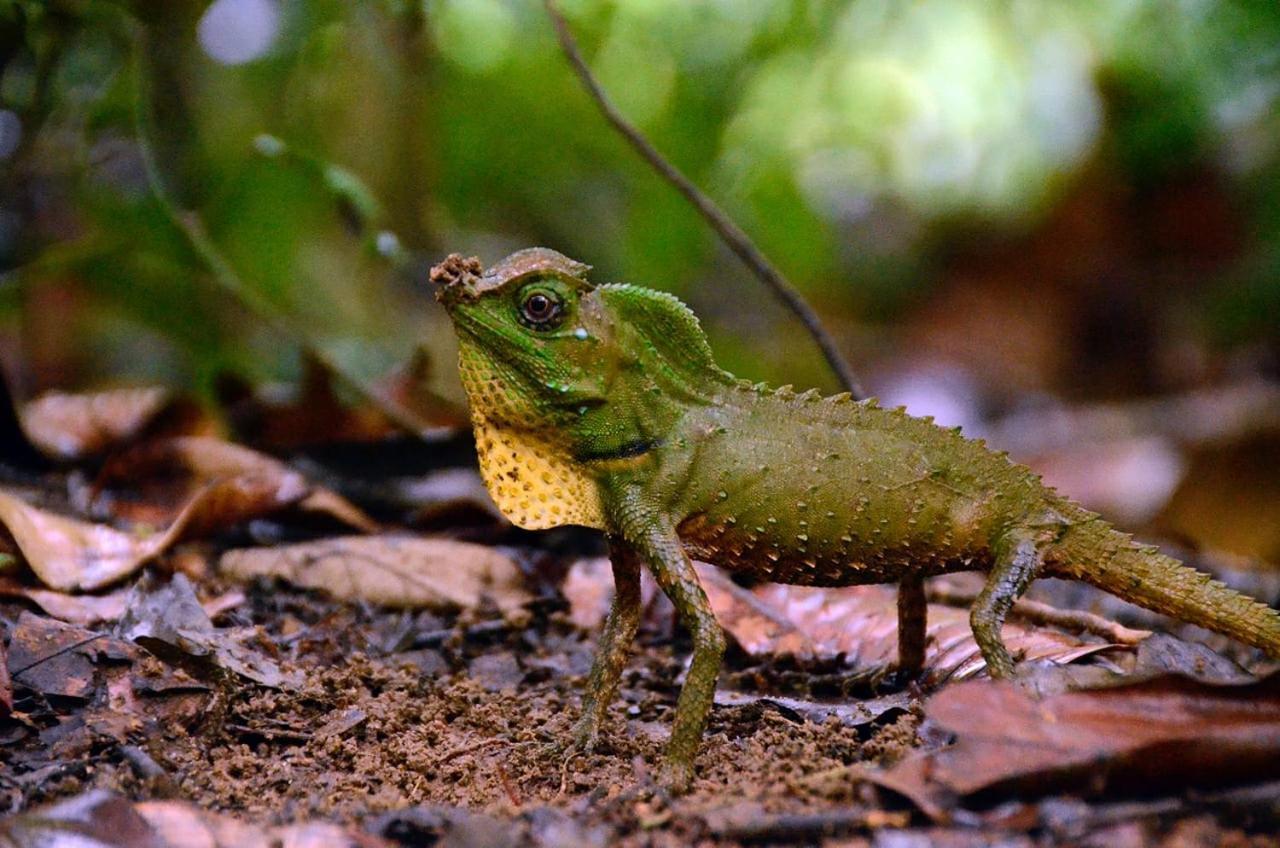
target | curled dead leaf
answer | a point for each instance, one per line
(236, 485)
(397, 571)
(67, 426)
(1163, 733)
(69, 555)
(170, 619)
(66, 553)
(75, 609)
(250, 483)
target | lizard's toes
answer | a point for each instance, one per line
(585, 736)
(676, 777)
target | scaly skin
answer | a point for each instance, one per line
(602, 406)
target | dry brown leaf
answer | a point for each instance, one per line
(1164, 733)
(397, 571)
(168, 620)
(66, 426)
(265, 482)
(588, 587)
(101, 819)
(75, 609)
(861, 623)
(55, 658)
(69, 554)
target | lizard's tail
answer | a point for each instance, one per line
(1094, 553)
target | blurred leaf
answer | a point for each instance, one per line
(74, 609)
(69, 554)
(397, 571)
(1167, 733)
(234, 482)
(66, 553)
(861, 624)
(170, 619)
(75, 426)
(98, 819)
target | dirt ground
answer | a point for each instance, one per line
(476, 720)
(406, 715)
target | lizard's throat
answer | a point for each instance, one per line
(532, 479)
(534, 483)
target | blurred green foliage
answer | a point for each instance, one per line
(858, 141)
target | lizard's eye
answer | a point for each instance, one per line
(541, 309)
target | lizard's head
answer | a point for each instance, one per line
(530, 337)
(565, 378)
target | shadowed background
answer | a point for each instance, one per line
(1057, 225)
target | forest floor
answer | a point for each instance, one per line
(273, 677)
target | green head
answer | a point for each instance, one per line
(595, 370)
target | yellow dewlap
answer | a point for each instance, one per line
(532, 483)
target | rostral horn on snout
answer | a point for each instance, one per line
(465, 276)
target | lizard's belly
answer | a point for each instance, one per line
(817, 559)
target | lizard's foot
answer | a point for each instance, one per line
(1000, 665)
(896, 678)
(582, 740)
(586, 733)
(676, 776)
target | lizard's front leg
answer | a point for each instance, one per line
(615, 642)
(654, 538)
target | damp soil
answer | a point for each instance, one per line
(399, 710)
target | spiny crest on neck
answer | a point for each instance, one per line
(669, 330)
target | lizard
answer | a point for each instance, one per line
(603, 406)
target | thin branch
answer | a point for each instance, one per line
(188, 223)
(732, 235)
(1037, 612)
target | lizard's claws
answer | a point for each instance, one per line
(676, 777)
(586, 733)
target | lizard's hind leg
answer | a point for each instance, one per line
(913, 616)
(1019, 555)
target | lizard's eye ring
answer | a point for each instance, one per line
(541, 309)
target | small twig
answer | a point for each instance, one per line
(732, 235)
(564, 771)
(143, 764)
(436, 638)
(463, 750)
(789, 828)
(1036, 612)
(188, 223)
(513, 794)
(295, 736)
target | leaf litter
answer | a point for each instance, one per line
(169, 619)
(68, 426)
(395, 571)
(345, 721)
